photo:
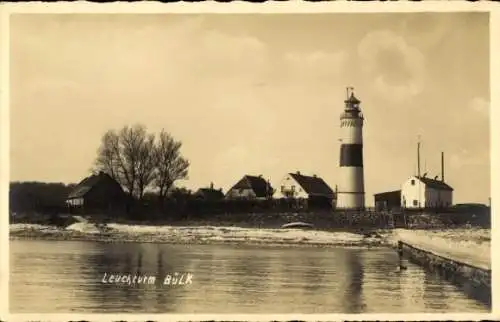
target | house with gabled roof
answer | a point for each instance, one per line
(210, 193)
(297, 185)
(423, 192)
(251, 187)
(98, 192)
(308, 191)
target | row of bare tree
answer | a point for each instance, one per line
(139, 160)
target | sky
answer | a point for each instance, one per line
(255, 94)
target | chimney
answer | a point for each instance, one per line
(298, 172)
(442, 166)
(211, 185)
(315, 176)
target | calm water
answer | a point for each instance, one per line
(65, 277)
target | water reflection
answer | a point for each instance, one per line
(314, 276)
(67, 276)
(355, 287)
(433, 288)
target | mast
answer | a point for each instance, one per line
(348, 88)
(418, 157)
(442, 166)
(418, 173)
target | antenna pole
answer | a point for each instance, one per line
(442, 166)
(418, 157)
(347, 90)
(418, 171)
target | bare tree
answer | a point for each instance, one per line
(146, 164)
(128, 156)
(107, 155)
(133, 159)
(170, 165)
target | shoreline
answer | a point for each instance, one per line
(215, 243)
(203, 235)
(469, 245)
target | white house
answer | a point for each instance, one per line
(422, 192)
(299, 186)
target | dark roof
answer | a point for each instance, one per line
(209, 193)
(435, 184)
(87, 184)
(388, 193)
(388, 196)
(259, 185)
(352, 99)
(312, 185)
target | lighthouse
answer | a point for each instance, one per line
(351, 186)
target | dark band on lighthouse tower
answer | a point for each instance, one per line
(351, 189)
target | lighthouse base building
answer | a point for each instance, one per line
(351, 186)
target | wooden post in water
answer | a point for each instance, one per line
(402, 266)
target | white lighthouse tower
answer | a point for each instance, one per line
(351, 186)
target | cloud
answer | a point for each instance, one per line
(113, 51)
(480, 106)
(238, 160)
(40, 85)
(316, 65)
(215, 55)
(466, 158)
(433, 28)
(395, 67)
(477, 110)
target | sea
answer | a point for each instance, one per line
(97, 277)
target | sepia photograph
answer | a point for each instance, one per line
(249, 163)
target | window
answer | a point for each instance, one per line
(412, 182)
(415, 202)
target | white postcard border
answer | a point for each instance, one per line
(243, 7)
